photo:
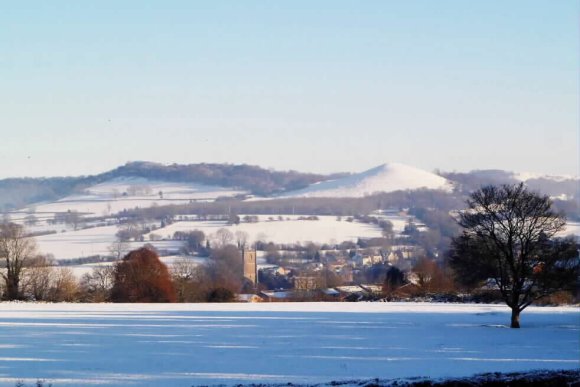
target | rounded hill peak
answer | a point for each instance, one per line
(388, 177)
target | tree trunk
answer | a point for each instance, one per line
(515, 318)
(12, 289)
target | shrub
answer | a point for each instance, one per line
(220, 295)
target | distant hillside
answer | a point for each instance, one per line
(254, 179)
(384, 178)
(563, 187)
(18, 192)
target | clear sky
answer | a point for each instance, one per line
(318, 86)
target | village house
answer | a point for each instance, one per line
(248, 298)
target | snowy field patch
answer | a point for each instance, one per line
(90, 242)
(193, 344)
(327, 229)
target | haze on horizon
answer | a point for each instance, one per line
(314, 86)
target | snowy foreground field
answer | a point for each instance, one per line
(193, 344)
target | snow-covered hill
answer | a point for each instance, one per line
(129, 192)
(526, 176)
(563, 187)
(146, 188)
(384, 178)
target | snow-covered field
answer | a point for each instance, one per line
(170, 261)
(96, 241)
(90, 242)
(399, 221)
(193, 344)
(325, 230)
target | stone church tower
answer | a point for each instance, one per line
(250, 266)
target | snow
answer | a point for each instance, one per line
(325, 230)
(78, 244)
(96, 240)
(193, 344)
(572, 228)
(171, 190)
(399, 222)
(384, 178)
(90, 242)
(107, 198)
(80, 270)
(525, 176)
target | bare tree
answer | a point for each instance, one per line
(241, 239)
(37, 279)
(394, 278)
(430, 277)
(190, 280)
(96, 285)
(224, 237)
(132, 190)
(119, 248)
(224, 268)
(388, 230)
(30, 220)
(64, 286)
(510, 235)
(16, 252)
(129, 231)
(73, 218)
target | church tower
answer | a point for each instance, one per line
(250, 264)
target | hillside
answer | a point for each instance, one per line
(384, 178)
(230, 180)
(257, 180)
(19, 192)
(563, 187)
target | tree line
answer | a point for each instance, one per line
(138, 276)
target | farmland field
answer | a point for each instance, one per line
(192, 344)
(95, 241)
(326, 229)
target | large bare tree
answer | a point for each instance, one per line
(17, 250)
(511, 236)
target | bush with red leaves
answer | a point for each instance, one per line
(142, 277)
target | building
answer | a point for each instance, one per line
(248, 298)
(250, 264)
(306, 283)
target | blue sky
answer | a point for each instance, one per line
(317, 86)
